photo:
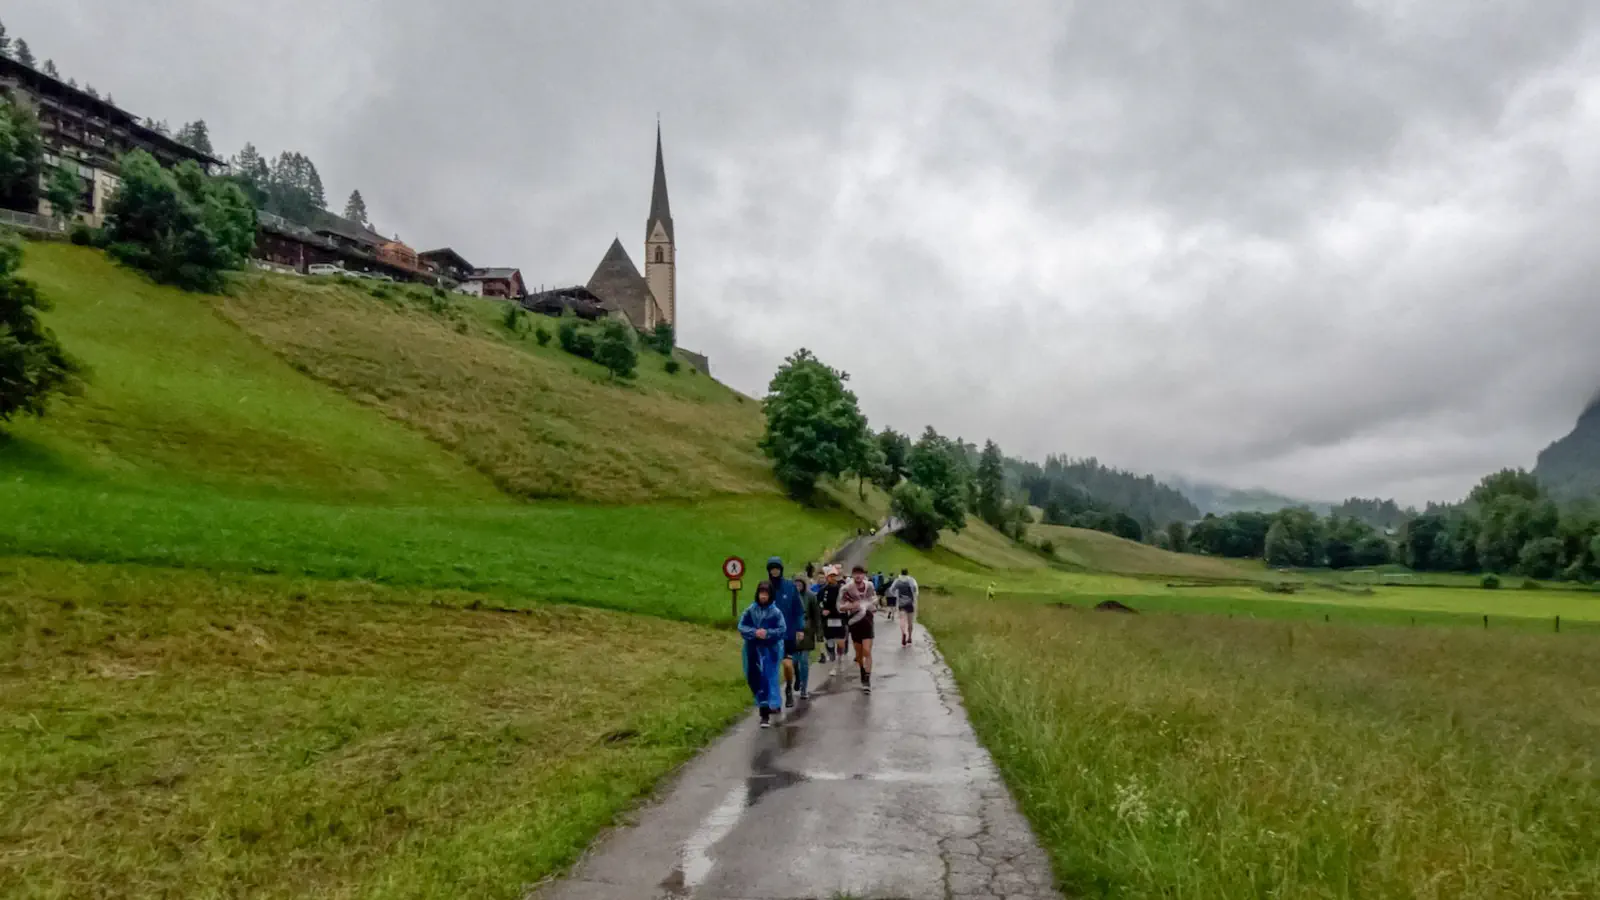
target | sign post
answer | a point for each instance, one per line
(733, 570)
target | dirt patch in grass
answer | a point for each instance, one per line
(182, 734)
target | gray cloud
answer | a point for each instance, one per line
(1324, 247)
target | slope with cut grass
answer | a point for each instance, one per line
(194, 445)
(177, 396)
(1102, 552)
(541, 422)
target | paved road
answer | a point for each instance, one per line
(880, 796)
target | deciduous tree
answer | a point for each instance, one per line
(814, 424)
(937, 465)
(65, 192)
(180, 225)
(615, 349)
(24, 53)
(896, 450)
(33, 367)
(21, 157)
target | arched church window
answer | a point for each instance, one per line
(661, 254)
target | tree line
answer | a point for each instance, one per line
(1508, 524)
(17, 49)
(815, 429)
(1084, 493)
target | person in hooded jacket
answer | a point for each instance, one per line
(787, 600)
(763, 628)
(805, 642)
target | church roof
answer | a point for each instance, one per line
(617, 281)
(660, 208)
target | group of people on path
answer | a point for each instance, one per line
(782, 626)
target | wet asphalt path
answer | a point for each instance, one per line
(887, 795)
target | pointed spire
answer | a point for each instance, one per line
(660, 208)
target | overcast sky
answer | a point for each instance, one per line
(1328, 248)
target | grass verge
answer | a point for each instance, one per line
(1197, 757)
(184, 734)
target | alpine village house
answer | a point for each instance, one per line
(88, 134)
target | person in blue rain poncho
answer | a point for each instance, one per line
(786, 597)
(763, 629)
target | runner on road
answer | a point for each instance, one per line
(860, 602)
(905, 591)
(787, 600)
(834, 633)
(763, 628)
(806, 640)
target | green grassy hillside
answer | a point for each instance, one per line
(1101, 552)
(540, 422)
(177, 396)
(276, 592)
(193, 445)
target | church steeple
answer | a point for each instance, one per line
(660, 208)
(660, 243)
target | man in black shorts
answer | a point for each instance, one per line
(834, 634)
(859, 602)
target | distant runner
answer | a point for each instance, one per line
(860, 602)
(905, 592)
(763, 628)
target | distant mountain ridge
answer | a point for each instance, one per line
(1570, 467)
(1221, 499)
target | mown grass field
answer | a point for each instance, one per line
(192, 734)
(1183, 756)
(661, 560)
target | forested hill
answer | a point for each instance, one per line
(1061, 481)
(1570, 467)
(1221, 499)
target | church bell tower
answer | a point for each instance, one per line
(660, 249)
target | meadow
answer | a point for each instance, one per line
(199, 734)
(1194, 756)
(1090, 567)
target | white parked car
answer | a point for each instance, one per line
(326, 269)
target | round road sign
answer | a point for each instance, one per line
(733, 567)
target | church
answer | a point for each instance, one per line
(647, 300)
(651, 299)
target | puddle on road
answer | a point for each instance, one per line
(694, 857)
